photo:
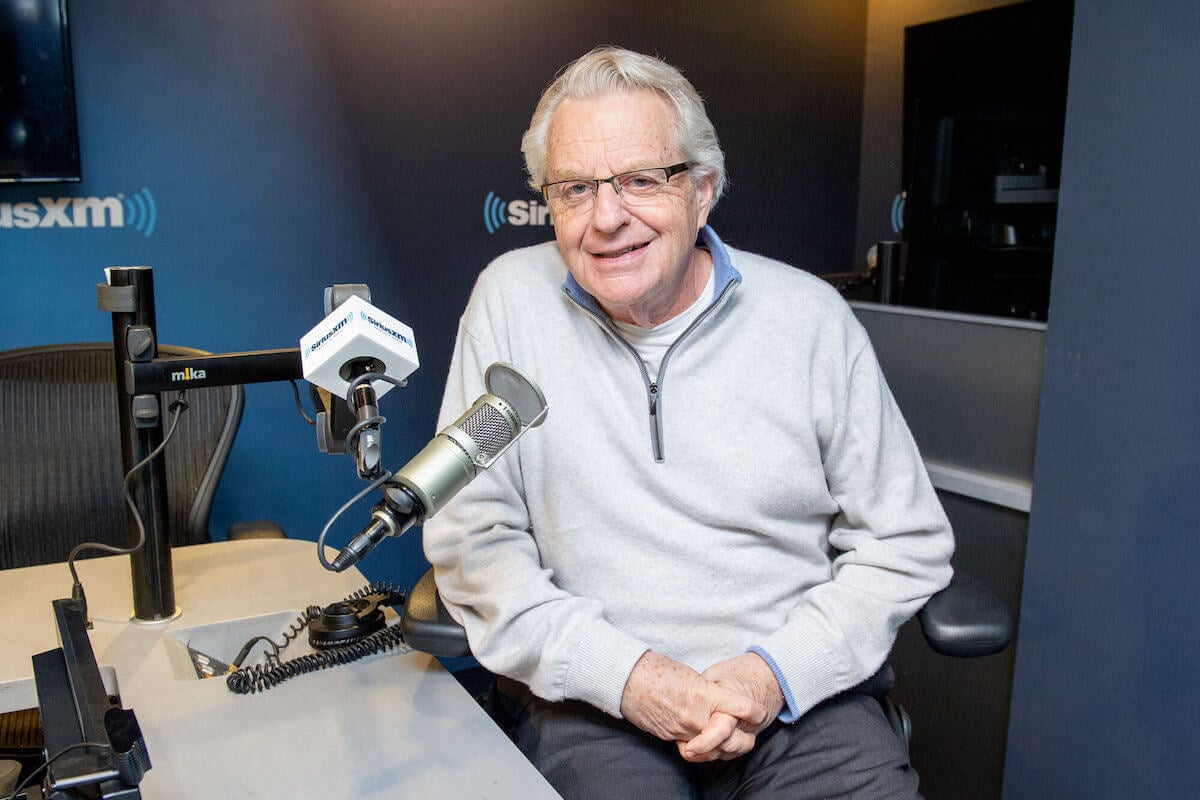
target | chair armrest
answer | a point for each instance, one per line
(427, 626)
(966, 619)
(256, 529)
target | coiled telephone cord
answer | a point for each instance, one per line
(342, 633)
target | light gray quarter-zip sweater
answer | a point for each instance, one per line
(764, 494)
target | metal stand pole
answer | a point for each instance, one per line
(130, 297)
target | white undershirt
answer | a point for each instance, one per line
(652, 343)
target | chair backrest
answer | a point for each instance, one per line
(61, 476)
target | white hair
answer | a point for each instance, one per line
(613, 69)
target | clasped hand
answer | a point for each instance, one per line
(711, 715)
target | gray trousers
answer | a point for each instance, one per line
(843, 748)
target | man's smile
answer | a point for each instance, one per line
(625, 251)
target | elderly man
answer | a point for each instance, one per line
(689, 569)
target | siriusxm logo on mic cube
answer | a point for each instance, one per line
(357, 330)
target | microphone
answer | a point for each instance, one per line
(453, 458)
(350, 351)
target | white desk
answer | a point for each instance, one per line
(394, 725)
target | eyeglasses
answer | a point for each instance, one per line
(639, 186)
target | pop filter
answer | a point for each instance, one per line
(515, 387)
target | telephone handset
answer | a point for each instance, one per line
(339, 633)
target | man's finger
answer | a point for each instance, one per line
(719, 728)
(738, 744)
(740, 706)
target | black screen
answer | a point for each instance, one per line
(39, 140)
(985, 104)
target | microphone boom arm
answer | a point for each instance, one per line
(128, 294)
(222, 369)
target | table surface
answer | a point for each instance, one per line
(392, 725)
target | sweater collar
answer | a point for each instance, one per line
(724, 272)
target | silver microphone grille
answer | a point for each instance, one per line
(491, 428)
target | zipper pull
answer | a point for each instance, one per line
(653, 399)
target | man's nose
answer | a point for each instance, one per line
(608, 211)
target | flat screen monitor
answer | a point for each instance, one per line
(985, 107)
(39, 138)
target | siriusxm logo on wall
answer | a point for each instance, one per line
(498, 213)
(137, 212)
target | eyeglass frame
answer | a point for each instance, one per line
(611, 180)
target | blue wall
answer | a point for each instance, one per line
(224, 119)
(1106, 689)
(291, 144)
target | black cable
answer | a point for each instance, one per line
(177, 407)
(258, 678)
(382, 479)
(290, 635)
(397, 595)
(300, 405)
(245, 651)
(366, 378)
(295, 629)
(375, 421)
(25, 784)
(352, 434)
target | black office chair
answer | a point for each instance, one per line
(61, 475)
(965, 620)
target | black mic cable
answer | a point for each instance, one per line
(176, 407)
(382, 479)
(365, 436)
(398, 512)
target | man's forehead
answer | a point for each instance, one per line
(623, 132)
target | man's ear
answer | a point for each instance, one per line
(705, 197)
